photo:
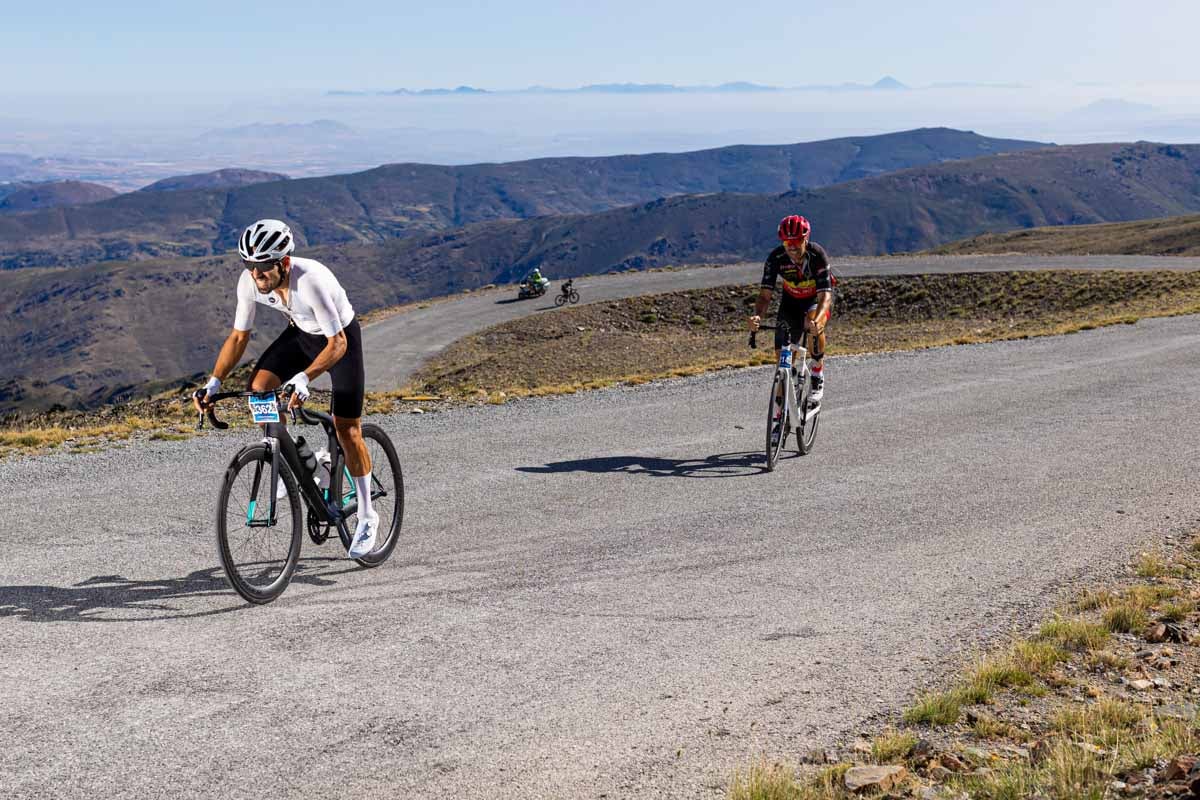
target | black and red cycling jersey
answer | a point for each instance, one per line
(801, 281)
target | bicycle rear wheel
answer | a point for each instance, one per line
(775, 442)
(387, 495)
(806, 434)
(560, 300)
(257, 553)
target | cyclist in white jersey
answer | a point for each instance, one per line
(322, 336)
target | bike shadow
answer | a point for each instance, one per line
(721, 465)
(115, 598)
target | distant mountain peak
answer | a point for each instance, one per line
(218, 179)
(888, 82)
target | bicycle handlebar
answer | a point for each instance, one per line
(218, 424)
(781, 325)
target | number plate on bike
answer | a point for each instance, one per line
(264, 407)
(785, 358)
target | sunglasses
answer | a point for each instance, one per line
(262, 267)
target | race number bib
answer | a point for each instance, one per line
(264, 407)
(785, 358)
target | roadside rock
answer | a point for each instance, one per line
(874, 779)
(1179, 768)
(817, 756)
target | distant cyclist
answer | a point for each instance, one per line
(807, 292)
(322, 336)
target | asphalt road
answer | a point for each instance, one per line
(600, 595)
(396, 346)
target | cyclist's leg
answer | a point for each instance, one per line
(791, 315)
(349, 386)
(284, 357)
(817, 352)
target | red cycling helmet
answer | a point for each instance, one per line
(794, 227)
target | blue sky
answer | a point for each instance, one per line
(221, 45)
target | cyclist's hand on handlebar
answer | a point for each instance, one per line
(754, 323)
(200, 396)
(299, 384)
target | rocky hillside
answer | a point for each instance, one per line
(53, 194)
(406, 199)
(219, 179)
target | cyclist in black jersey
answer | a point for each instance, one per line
(807, 300)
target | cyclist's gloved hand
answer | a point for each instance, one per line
(299, 384)
(754, 321)
(203, 398)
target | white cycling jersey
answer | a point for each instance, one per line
(317, 303)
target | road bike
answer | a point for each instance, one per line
(567, 295)
(259, 527)
(789, 409)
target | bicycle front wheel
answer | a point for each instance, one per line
(574, 296)
(258, 554)
(806, 434)
(777, 431)
(387, 495)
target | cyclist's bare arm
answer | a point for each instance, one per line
(815, 321)
(231, 353)
(760, 307)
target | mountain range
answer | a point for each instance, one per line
(401, 200)
(80, 336)
(32, 196)
(887, 82)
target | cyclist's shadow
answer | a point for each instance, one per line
(722, 465)
(114, 598)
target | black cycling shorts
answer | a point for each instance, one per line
(792, 311)
(295, 350)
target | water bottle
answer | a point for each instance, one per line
(307, 459)
(323, 462)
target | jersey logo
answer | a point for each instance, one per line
(272, 300)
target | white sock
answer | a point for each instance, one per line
(362, 488)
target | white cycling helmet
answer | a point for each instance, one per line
(266, 240)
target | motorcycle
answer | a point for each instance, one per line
(531, 290)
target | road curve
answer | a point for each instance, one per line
(600, 595)
(396, 346)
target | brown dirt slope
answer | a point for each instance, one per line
(691, 331)
(1170, 236)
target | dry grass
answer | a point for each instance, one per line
(892, 746)
(1125, 618)
(935, 708)
(38, 439)
(1150, 565)
(1074, 634)
(764, 781)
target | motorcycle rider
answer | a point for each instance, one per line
(536, 282)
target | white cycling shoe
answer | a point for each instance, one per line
(364, 536)
(818, 389)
